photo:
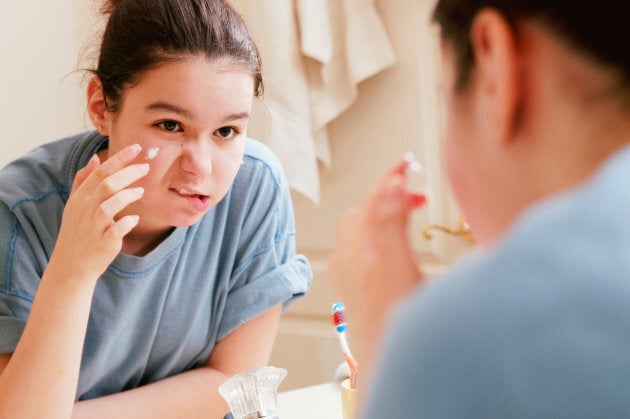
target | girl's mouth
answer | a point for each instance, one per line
(198, 201)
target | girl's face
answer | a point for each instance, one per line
(196, 114)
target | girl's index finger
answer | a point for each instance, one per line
(406, 164)
(409, 175)
(400, 167)
(112, 165)
(82, 174)
(410, 169)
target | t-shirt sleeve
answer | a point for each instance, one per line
(17, 277)
(268, 271)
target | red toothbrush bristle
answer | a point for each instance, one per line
(337, 318)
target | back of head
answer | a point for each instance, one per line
(141, 34)
(599, 29)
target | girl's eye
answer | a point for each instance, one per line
(170, 126)
(226, 133)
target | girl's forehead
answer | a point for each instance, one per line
(192, 89)
(194, 69)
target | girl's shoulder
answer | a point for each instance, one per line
(259, 158)
(47, 169)
(260, 187)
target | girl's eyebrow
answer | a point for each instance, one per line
(165, 106)
(241, 115)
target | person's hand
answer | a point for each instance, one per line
(373, 265)
(91, 233)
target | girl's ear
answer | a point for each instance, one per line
(496, 62)
(96, 106)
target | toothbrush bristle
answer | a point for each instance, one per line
(338, 317)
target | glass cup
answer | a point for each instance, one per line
(253, 394)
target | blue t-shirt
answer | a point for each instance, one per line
(538, 327)
(160, 314)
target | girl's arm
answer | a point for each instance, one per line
(374, 265)
(193, 394)
(39, 380)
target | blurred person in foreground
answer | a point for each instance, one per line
(537, 323)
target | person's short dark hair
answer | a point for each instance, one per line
(141, 34)
(600, 29)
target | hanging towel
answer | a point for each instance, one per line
(314, 54)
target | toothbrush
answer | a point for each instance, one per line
(338, 320)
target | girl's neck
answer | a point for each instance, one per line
(140, 244)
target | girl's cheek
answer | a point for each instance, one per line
(160, 158)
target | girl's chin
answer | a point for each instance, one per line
(184, 216)
(167, 222)
(184, 222)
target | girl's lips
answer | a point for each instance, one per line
(198, 201)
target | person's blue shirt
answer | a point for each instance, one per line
(160, 314)
(537, 327)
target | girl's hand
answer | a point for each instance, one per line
(373, 265)
(91, 234)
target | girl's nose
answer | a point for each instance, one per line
(196, 158)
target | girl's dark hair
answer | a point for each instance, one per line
(599, 29)
(141, 34)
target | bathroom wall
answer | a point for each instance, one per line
(41, 91)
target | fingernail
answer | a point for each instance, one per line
(135, 148)
(139, 190)
(415, 167)
(144, 167)
(415, 176)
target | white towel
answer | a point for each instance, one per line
(314, 53)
